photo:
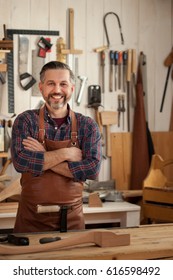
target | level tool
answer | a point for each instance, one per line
(10, 60)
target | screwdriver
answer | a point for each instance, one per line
(124, 70)
(119, 70)
(111, 55)
(116, 68)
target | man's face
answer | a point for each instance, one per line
(56, 88)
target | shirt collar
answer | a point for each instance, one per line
(48, 117)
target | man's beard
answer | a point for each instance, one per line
(56, 105)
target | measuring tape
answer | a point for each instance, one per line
(10, 60)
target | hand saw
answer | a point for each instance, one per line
(26, 79)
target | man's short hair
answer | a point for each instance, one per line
(56, 65)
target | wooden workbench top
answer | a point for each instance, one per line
(146, 242)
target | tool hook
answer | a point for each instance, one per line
(104, 23)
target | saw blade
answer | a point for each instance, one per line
(23, 54)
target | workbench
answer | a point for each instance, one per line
(146, 242)
(125, 213)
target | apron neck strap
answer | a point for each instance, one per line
(41, 134)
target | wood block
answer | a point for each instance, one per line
(94, 200)
(3, 67)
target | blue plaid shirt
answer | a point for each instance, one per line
(26, 124)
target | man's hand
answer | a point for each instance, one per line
(32, 144)
(68, 154)
(73, 154)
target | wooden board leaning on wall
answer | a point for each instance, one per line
(121, 145)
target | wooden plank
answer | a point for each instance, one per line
(158, 195)
(121, 144)
(146, 242)
(158, 212)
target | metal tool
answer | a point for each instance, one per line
(133, 78)
(83, 80)
(119, 70)
(37, 64)
(143, 65)
(10, 60)
(105, 28)
(44, 46)
(129, 67)
(26, 79)
(123, 107)
(111, 55)
(116, 69)
(165, 87)
(102, 63)
(124, 58)
(119, 109)
(168, 63)
(94, 101)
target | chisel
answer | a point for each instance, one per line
(133, 78)
(119, 70)
(124, 70)
(116, 68)
(123, 108)
(102, 57)
(129, 70)
(119, 109)
(111, 55)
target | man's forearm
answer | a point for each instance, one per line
(53, 158)
(63, 169)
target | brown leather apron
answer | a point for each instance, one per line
(51, 189)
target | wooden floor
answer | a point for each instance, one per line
(146, 242)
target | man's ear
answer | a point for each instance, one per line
(73, 88)
(40, 86)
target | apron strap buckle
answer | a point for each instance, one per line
(74, 138)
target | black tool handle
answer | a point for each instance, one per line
(18, 240)
(29, 84)
(49, 239)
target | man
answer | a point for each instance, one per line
(55, 150)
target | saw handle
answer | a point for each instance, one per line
(27, 76)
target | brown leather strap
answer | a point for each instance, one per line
(41, 135)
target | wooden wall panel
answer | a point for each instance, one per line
(146, 26)
(121, 155)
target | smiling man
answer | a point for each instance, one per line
(55, 150)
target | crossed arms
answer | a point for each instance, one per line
(55, 160)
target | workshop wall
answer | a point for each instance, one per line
(146, 26)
